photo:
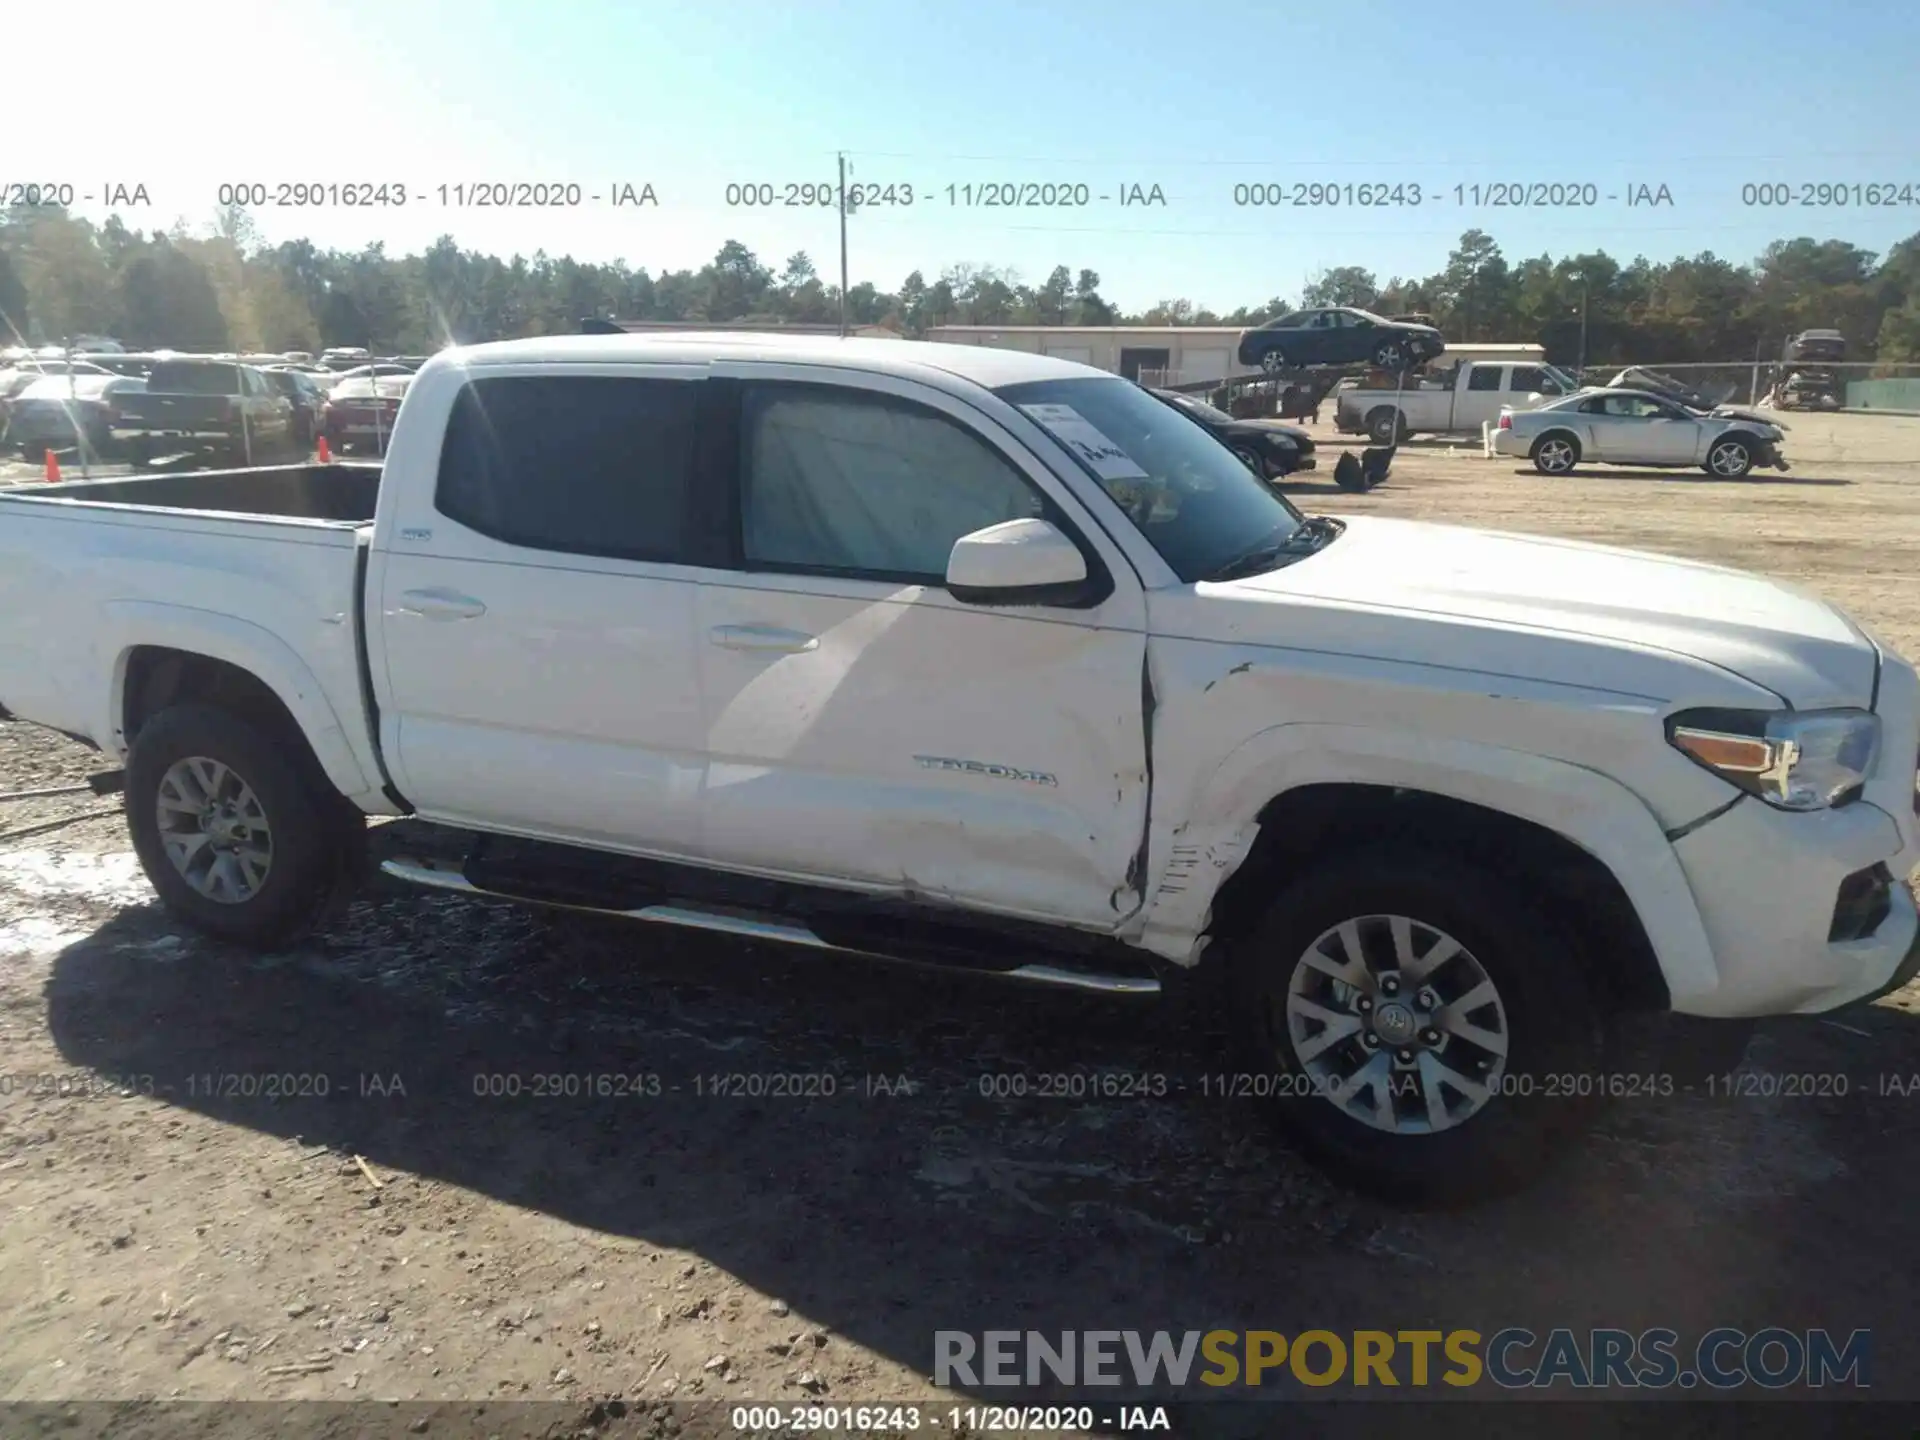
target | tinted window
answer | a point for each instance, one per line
(1192, 498)
(834, 480)
(1484, 377)
(178, 379)
(583, 464)
(1529, 378)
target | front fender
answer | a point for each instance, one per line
(127, 625)
(1191, 856)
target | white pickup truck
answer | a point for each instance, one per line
(978, 658)
(1456, 400)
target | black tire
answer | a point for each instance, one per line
(1555, 453)
(139, 454)
(1729, 444)
(34, 452)
(317, 837)
(1273, 362)
(1390, 355)
(1251, 460)
(1386, 426)
(1552, 1025)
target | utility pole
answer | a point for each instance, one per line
(843, 244)
(1580, 370)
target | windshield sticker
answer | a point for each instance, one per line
(1080, 435)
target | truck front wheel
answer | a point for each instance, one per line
(1426, 1033)
(239, 842)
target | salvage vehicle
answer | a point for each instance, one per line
(1637, 427)
(964, 656)
(1638, 377)
(1338, 336)
(1269, 448)
(202, 409)
(1458, 401)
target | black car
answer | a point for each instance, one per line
(1269, 448)
(1339, 336)
(309, 400)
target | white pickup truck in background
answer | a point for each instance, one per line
(983, 659)
(1456, 400)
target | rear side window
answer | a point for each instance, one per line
(1527, 379)
(1484, 377)
(195, 380)
(584, 464)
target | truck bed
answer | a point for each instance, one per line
(342, 493)
(260, 568)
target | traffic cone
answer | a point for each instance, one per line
(53, 467)
(321, 453)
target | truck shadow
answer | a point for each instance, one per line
(886, 1150)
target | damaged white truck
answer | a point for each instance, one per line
(993, 661)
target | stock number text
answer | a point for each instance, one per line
(1881, 194)
(299, 194)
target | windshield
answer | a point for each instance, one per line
(1194, 500)
(1199, 407)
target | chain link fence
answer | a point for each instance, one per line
(1852, 385)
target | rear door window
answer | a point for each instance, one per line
(581, 464)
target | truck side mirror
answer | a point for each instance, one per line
(1017, 562)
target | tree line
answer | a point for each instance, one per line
(225, 289)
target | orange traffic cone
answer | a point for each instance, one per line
(322, 453)
(53, 467)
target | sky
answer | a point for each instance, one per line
(1686, 105)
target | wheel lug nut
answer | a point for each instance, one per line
(1406, 1057)
(1366, 1006)
(1427, 999)
(1370, 1040)
(1431, 1037)
(1390, 986)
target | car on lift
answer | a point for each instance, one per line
(1267, 447)
(1338, 335)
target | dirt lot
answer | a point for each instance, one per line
(402, 1236)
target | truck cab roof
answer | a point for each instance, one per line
(981, 364)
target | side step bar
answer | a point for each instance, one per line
(445, 875)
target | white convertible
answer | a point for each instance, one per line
(1637, 427)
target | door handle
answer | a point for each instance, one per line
(441, 605)
(765, 638)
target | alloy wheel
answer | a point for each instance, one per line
(1555, 456)
(1396, 1023)
(214, 830)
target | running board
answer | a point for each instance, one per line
(447, 875)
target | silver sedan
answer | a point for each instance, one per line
(1634, 427)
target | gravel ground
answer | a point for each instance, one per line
(388, 1230)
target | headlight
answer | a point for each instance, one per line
(1795, 760)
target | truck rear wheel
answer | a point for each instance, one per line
(1423, 1027)
(239, 841)
(1555, 453)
